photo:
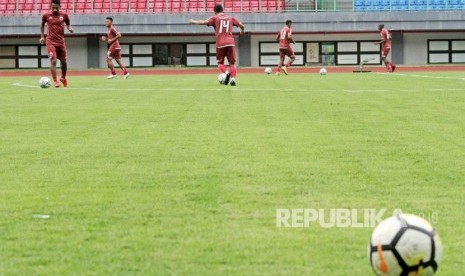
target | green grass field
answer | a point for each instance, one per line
(161, 175)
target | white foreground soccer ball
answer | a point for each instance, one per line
(404, 245)
(323, 71)
(221, 78)
(268, 70)
(45, 82)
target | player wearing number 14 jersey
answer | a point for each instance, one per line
(225, 45)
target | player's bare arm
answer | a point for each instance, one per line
(70, 29)
(291, 40)
(198, 22)
(379, 42)
(242, 27)
(111, 40)
(42, 33)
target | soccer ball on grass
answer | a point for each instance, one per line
(222, 78)
(404, 245)
(45, 82)
(268, 70)
(323, 71)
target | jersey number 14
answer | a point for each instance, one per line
(224, 26)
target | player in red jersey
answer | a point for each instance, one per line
(114, 49)
(225, 44)
(55, 42)
(284, 38)
(385, 47)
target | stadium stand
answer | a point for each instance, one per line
(406, 5)
(25, 7)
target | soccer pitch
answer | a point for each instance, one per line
(179, 175)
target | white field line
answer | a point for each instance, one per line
(421, 76)
(82, 88)
(241, 89)
(185, 89)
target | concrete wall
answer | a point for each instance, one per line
(307, 37)
(76, 46)
(156, 39)
(413, 46)
(255, 22)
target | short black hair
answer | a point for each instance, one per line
(57, 2)
(381, 26)
(288, 22)
(110, 18)
(218, 8)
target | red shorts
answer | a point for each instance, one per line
(229, 52)
(114, 54)
(56, 51)
(385, 52)
(283, 52)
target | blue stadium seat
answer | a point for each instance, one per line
(384, 3)
(418, 7)
(397, 2)
(359, 3)
(361, 8)
(399, 8)
(436, 7)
